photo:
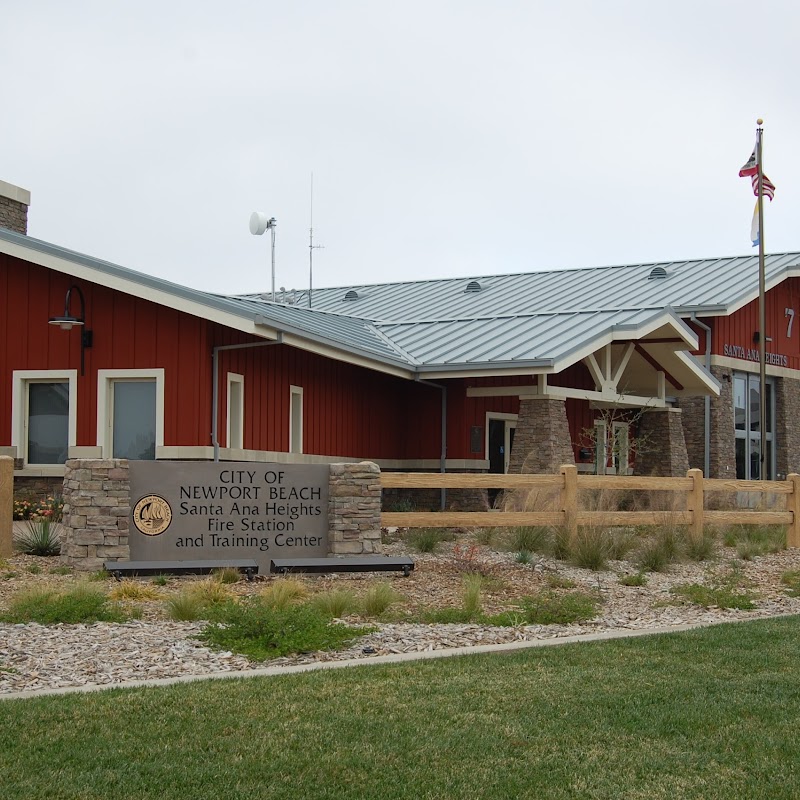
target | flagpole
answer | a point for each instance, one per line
(762, 310)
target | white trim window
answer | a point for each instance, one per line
(44, 415)
(295, 419)
(130, 412)
(234, 432)
(621, 447)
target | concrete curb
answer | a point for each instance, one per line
(398, 658)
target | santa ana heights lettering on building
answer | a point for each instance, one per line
(233, 510)
(752, 354)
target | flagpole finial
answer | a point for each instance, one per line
(759, 121)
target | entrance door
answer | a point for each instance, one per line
(499, 441)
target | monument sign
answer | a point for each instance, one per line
(198, 510)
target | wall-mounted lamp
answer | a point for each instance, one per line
(67, 320)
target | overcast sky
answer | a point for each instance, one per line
(445, 138)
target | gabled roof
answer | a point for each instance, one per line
(706, 286)
(504, 324)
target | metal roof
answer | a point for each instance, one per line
(710, 286)
(534, 322)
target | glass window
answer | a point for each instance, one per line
(48, 422)
(747, 422)
(134, 420)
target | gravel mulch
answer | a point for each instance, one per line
(35, 657)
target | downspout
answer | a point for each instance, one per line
(443, 454)
(215, 384)
(707, 415)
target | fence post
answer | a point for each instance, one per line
(569, 501)
(6, 505)
(793, 505)
(694, 503)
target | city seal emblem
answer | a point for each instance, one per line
(152, 515)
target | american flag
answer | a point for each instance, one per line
(750, 169)
(768, 187)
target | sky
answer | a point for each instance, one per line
(446, 139)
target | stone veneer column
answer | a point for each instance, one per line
(722, 461)
(96, 510)
(354, 509)
(662, 447)
(541, 441)
(787, 425)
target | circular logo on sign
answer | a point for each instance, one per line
(152, 515)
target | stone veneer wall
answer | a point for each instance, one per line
(541, 441)
(354, 509)
(787, 426)
(97, 509)
(663, 448)
(723, 446)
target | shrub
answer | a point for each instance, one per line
(79, 604)
(755, 540)
(523, 557)
(533, 538)
(185, 606)
(284, 592)
(549, 608)
(227, 575)
(334, 604)
(259, 632)
(591, 548)
(159, 580)
(425, 540)
(41, 539)
(378, 598)
(473, 585)
(210, 592)
(50, 508)
(22, 509)
(131, 590)
(701, 549)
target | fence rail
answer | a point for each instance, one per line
(568, 513)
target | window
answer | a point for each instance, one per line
(500, 430)
(235, 429)
(621, 448)
(130, 413)
(600, 447)
(44, 415)
(296, 419)
(747, 400)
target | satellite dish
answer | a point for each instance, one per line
(259, 223)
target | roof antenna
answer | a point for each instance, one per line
(311, 246)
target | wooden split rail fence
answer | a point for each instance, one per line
(568, 513)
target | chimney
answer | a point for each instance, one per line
(14, 204)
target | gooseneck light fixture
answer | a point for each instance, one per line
(259, 224)
(67, 320)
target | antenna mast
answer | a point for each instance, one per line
(311, 246)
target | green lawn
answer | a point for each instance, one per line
(712, 713)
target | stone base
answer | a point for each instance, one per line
(661, 447)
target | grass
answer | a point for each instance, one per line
(791, 580)
(427, 540)
(284, 592)
(637, 579)
(378, 599)
(532, 538)
(133, 590)
(334, 604)
(708, 714)
(79, 604)
(751, 541)
(728, 590)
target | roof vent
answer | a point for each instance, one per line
(473, 286)
(657, 273)
(351, 295)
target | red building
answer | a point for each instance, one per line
(503, 372)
